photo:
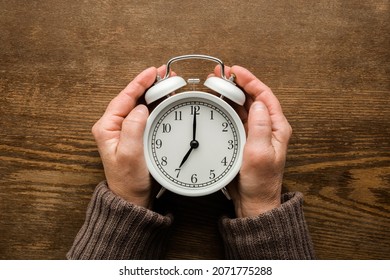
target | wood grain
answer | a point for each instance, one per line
(328, 63)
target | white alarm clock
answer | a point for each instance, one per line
(194, 140)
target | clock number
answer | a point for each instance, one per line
(164, 161)
(211, 115)
(224, 161)
(178, 172)
(195, 109)
(158, 144)
(194, 178)
(230, 144)
(166, 127)
(212, 174)
(177, 115)
(224, 127)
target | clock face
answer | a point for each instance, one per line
(193, 143)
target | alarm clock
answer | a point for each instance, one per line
(194, 140)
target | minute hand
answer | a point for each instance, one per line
(194, 127)
(194, 144)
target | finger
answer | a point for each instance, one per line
(131, 137)
(126, 100)
(217, 71)
(228, 74)
(259, 126)
(258, 91)
(162, 70)
(107, 130)
(242, 111)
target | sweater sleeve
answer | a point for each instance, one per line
(117, 229)
(281, 233)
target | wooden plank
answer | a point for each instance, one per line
(327, 62)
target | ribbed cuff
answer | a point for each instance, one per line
(279, 234)
(117, 229)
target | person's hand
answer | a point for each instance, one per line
(119, 137)
(257, 189)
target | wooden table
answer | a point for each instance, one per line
(328, 62)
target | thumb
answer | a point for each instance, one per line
(131, 137)
(259, 126)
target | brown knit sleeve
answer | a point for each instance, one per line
(117, 229)
(281, 233)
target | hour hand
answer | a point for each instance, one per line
(186, 157)
(194, 144)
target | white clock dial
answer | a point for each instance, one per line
(193, 143)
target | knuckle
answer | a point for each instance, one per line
(134, 121)
(286, 132)
(96, 129)
(261, 123)
(289, 130)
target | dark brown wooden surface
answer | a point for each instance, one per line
(328, 62)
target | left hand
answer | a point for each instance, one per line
(258, 186)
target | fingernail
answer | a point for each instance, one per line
(141, 109)
(232, 77)
(258, 106)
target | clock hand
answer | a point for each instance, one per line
(194, 127)
(194, 144)
(186, 157)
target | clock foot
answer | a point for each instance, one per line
(226, 193)
(160, 192)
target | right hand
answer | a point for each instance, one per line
(119, 137)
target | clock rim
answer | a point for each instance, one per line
(194, 192)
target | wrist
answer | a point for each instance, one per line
(253, 198)
(251, 204)
(253, 209)
(139, 198)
